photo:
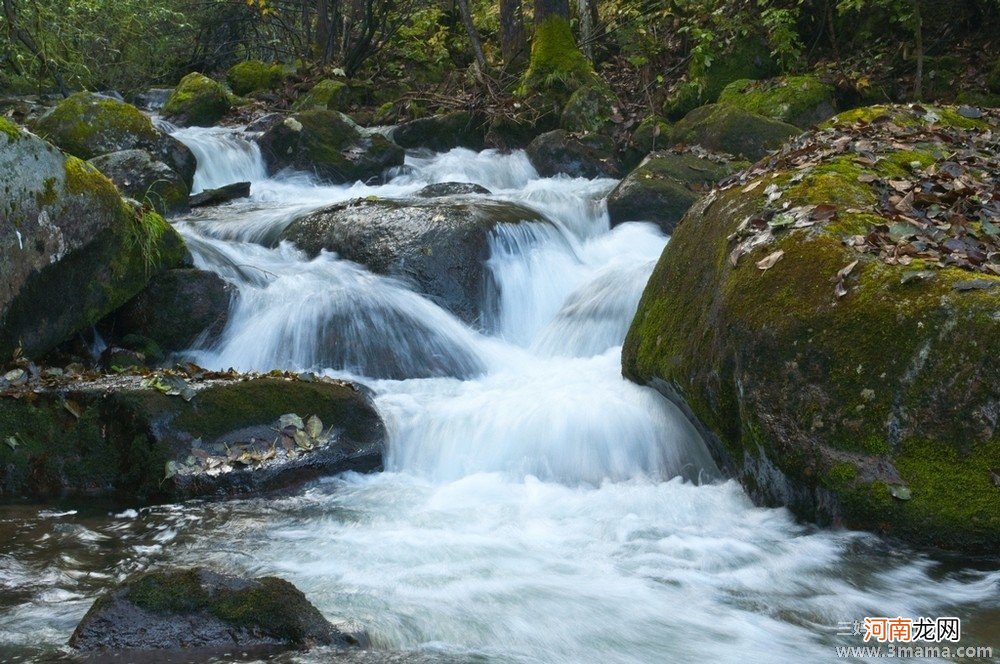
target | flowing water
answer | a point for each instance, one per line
(539, 510)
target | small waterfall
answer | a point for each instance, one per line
(224, 157)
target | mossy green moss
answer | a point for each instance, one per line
(9, 129)
(653, 133)
(254, 76)
(590, 109)
(87, 125)
(328, 94)
(906, 116)
(273, 605)
(198, 100)
(799, 100)
(557, 67)
(178, 591)
(723, 128)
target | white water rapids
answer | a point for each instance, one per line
(543, 511)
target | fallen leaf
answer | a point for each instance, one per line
(291, 420)
(769, 261)
(73, 408)
(314, 427)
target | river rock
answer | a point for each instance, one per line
(592, 108)
(327, 95)
(841, 359)
(198, 101)
(802, 101)
(559, 152)
(324, 143)
(177, 309)
(441, 133)
(175, 609)
(73, 250)
(441, 189)
(153, 99)
(230, 192)
(88, 125)
(723, 128)
(174, 435)
(138, 175)
(439, 245)
(664, 186)
(254, 76)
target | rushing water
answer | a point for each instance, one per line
(541, 510)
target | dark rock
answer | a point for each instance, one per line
(324, 143)
(439, 245)
(441, 133)
(196, 608)
(441, 189)
(178, 308)
(73, 250)
(138, 175)
(116, 359)
(230, 192)
(723, 128)
(590, 156)
(165, 437)
(663, 187)
(592, 108)
(264, 122)
(153, 99)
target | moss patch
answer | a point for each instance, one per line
(328, 94)
(557, 67)
(198, 100)
(254, 76)
(87, 125)
(798, 100)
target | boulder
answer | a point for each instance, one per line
(664, 186)
(87, 125)
(592, 108)
(174, 609)
(441, 133)
(802, 101)
(653, 133)
(153, 99)
(723, 128)
(324, 143)
(229, 192)
(253, 76)
(173, 435)
(441, 189)
(138, 175)
(264, 122)
(439, 245)
(177, 309)
(327, 95)
(831, 325)
(73, 250)
(198, 101)
(589, 156)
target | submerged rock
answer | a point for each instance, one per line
(723, 128)
(230, 192)
(173, 435)
(198, 101)
(441, 246)
(325, 143)
(73, 250)
(828, 322)
(441, 189)
(441, 133)
(138, 175)
(664, 186)
(559, 152)
(196, 608)
(802, 101)
(88, 125)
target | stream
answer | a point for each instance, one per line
(544, 511)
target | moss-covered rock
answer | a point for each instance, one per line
(198, 101)
(724, 128)
(73, 249)
(556, 67)
(195, 608)
(441, 133)
(254, 76)
(662, 188)
(88, 125)
(858, 387)
(653, 133)
(138, 175)
(592, 108)
(588, 156)
(802, 101)
(171, 436)
(326, 144)
(327, 95)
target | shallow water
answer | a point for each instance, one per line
(542, 509)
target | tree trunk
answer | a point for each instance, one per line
(586, 28)
(512, 40)
(470, 29)
(546, 8)
(918, 34)
(322, 29)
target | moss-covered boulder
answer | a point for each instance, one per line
(174, 435)
(177, 309)
(88, 125)
(254, 76)
(441, 133)
(724, 128)
(73, 250)
(802, 101)
(592, 108)
(326, 144)
(139, 175)
(327, 95)
(198, 101)
(832, 323)
(652, 134)
(441, 245)
(662, 188)
(175, 609)
(588, 156)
